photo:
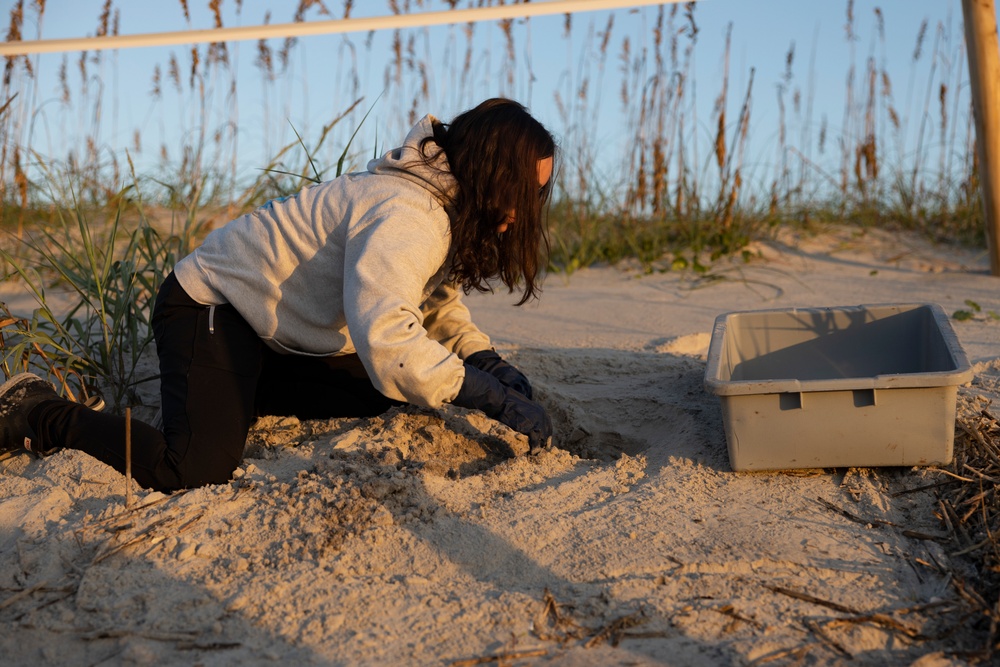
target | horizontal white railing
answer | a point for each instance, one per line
(307, 28)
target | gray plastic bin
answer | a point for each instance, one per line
(837, 387)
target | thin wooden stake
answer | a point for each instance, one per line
(128, 458)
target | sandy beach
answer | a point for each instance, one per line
(432, 538)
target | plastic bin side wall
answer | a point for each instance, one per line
(904, 427)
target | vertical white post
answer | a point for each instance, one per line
(984, 72)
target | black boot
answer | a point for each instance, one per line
(18, 396)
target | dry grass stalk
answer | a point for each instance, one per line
(144, 634)
(921, 36)
(720, 105)
(806, 597)
(796, 652)
(731, 178)
(27, 592)
(168, 524)
(113, 523)
(195, 59)
(970, 511)
(820, 631)
(615, 631)
(502, 658)
(853, 517)
(104, 20)
(265, 57)
(849, 26)
(552, 625)
(13, 35)
(737, 618)
(64, 95)
(885, 620)
(865, 155)
(217, 51)
(506, 28)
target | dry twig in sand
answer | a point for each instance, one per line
(27, 592)
(885, 620)
(500, 658)
(614, 631)
(552, 625)
(970, 510)
(853, 517)
(176, 519)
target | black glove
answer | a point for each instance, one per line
(490, 361)
(482, 391)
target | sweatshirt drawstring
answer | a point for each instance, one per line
(211, 319)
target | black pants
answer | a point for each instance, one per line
(216, 377)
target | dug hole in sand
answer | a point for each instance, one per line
(430, 537)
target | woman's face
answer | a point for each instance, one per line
(544, 174)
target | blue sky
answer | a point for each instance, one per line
(316, 86)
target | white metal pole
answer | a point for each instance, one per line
(306, 28)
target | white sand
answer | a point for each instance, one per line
(415, 537)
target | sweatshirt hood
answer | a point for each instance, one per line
(409, 163)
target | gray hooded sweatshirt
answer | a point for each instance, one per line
(356, 264)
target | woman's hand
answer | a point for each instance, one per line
(482, 391)
(492, 363)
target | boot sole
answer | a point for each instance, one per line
(15, 382)
(13, 385)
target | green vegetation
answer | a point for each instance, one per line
(974, 311)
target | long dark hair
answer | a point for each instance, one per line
(493, 152)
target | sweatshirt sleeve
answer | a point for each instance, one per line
(448, 321)
(390, 258)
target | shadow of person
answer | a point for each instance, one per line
(414, 489)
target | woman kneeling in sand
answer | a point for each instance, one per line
(342, 300)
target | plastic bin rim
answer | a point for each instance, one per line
(961, 374)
